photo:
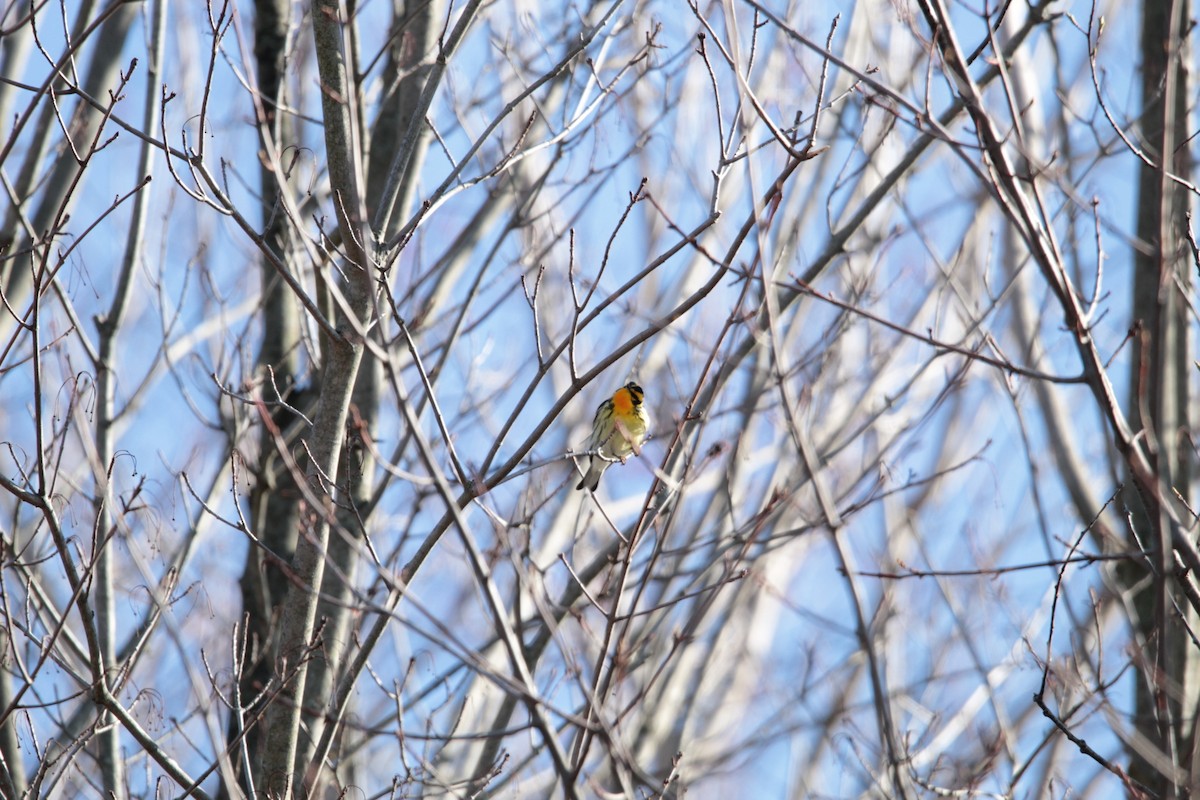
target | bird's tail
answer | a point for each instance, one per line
(591, 479)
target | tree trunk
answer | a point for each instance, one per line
(1159, 389)
(275, 499)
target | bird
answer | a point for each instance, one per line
(619, 428)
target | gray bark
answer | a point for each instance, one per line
(277, 774)
(1159, 386)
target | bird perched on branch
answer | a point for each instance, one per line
(619, 428)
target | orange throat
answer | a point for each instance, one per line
(623, 401)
